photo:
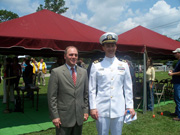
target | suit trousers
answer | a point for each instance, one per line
(76, 130)
(104, 124)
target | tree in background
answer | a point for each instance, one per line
(7, 15)
(56, 6)
(178, 39)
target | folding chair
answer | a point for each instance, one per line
(139, 79)
(164, 81)
(156, 81)
(159, 91)
(33, 89)
(138, 94)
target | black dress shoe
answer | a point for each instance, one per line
(173, 114)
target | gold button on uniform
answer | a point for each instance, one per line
(111, 96)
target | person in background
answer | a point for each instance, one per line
(81, 63)
(23, 66)
(68, 95)
(176, 84)
(140, 69)
(8, 72)
(150, 78)
(35, 69)
(59, 62)
(17, 71)
(110, 89)
(42, 68)
(28, 77)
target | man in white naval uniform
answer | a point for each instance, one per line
(110, 89)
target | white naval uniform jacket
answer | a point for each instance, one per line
(110, 88)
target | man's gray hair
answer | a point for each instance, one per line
(65, 51)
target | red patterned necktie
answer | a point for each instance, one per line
(73, 76)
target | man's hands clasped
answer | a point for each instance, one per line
(94, 114)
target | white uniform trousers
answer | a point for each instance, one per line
(104, 124)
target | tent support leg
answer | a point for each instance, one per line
(144, 85)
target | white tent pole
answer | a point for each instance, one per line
(144, 85)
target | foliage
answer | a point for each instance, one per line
(174, 63)
(7, 15)
(164, 62)
(178, 39)
(3, 57)
(56, 6)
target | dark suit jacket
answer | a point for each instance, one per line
(66, 101)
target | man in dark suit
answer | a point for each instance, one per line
(68, 95)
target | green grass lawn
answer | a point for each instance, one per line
(144, 125)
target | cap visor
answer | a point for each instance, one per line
(109, 41)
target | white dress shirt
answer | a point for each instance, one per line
(71, 70)
(110, 88)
